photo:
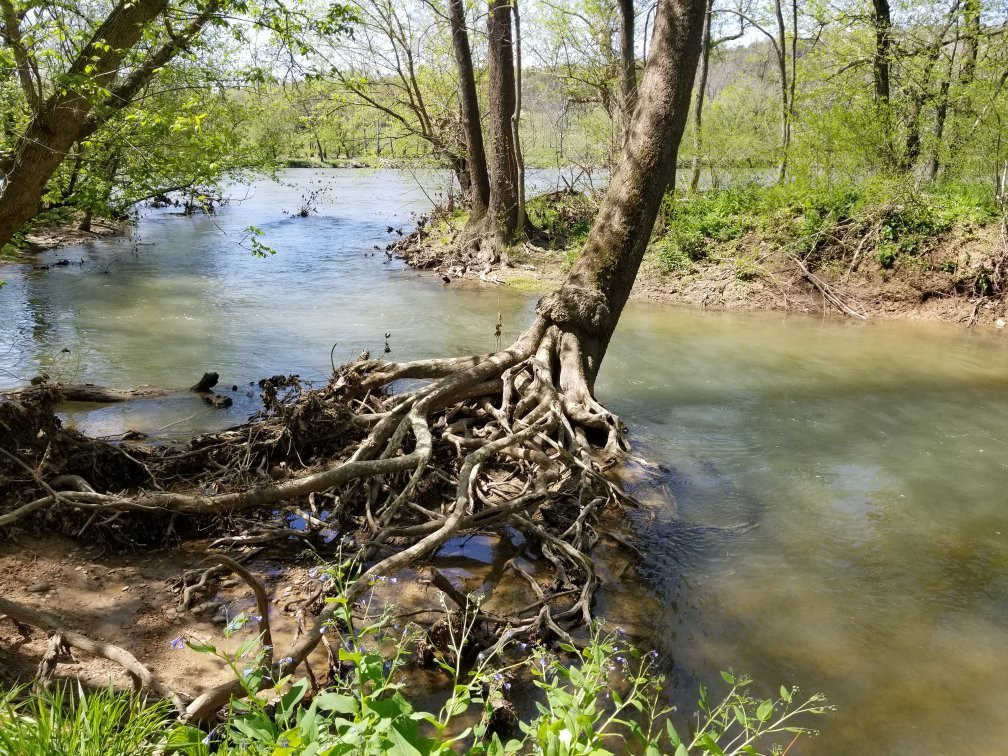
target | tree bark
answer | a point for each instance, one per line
(516, 120)
(53, 130)
(628, 63)
(69, 115)
(502, 215)
(588, 305)
(941, 114)
(479, 182)
(705, 46)
(971, 35)
(883, 41)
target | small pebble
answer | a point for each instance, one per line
(1000, 323)
(39, 588)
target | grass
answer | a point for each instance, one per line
(69, 721)
(803, 218)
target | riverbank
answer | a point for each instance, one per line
(883, 252)
(61, 232)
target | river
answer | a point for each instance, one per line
(833, 503)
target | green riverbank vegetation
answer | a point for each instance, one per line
(601, 696)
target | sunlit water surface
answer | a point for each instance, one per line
(833, 512)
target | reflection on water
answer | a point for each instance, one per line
(835, 512)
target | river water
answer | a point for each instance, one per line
(833, 503)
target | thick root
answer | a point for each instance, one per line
(512, 438)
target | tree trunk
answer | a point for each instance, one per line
(478, 183)
(941, 114)
(588, 305)
(516, 121)
(701, 92)
(502, 215)
(971, 34)
(883, 40)
(628, 63)
(780, 48)
(85, 221)
(63, 117)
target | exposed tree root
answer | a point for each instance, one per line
(512, 438)
(61, 640)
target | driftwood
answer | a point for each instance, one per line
(207, 382)
(89, 392)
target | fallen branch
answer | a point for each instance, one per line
(89, 392)
(828, 292)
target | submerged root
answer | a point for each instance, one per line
(472, 444)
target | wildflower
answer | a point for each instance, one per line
(178, 643)
(325, 577)
(507, 685)
(481, 656)
(247, 672)
(209, 737)
(287, 660)
(313, 572)
(256, 618)
(653, 654)
(622, 660)
(522, 646)
(393, 580)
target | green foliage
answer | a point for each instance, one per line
(599, 697)
(564, 218)
(75, 722)
(805, 217)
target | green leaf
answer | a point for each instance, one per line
(336, 702)
(673, 736)
(728, 677)
(764, 710)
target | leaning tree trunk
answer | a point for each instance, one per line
(479, 182)
(588, 305)
(509, 439)
(502, 216)
(63, 118)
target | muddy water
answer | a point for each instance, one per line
(832, 511)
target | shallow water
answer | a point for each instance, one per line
(833, 510)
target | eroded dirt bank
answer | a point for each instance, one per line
(955, 276)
